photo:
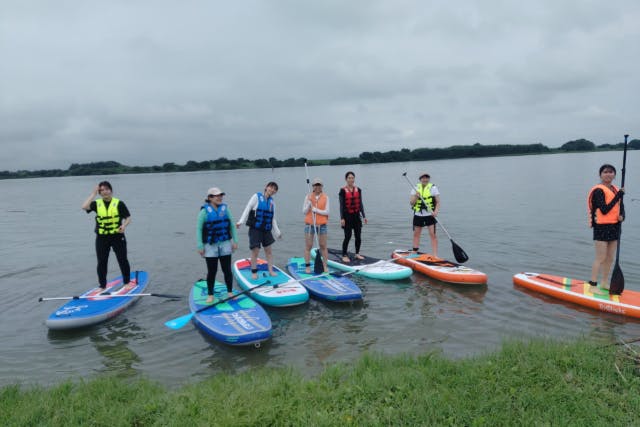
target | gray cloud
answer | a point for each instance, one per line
(148, 82)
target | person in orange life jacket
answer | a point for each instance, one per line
(351, 214)
(217, 239)
(425, 216)
(259, 215)
(606, 213)
(112, 218)
(316, 210)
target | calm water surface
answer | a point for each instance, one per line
(510, 214)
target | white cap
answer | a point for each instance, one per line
(316, 181)
(214, 191)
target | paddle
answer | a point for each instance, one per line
(318, 266)
(616, 286)
(459, 253)
(108, 295)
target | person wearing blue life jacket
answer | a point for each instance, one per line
(112, 217)
(259, 216)
(425, 216)
(217, 240)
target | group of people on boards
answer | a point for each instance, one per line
(217, 238)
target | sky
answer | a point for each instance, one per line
(148, 82)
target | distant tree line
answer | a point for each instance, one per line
(403, 155)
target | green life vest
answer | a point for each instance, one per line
(425, 192)
(107, 219)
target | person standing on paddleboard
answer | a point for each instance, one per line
(259, 215)
(425, 216)
(351, 215)
(316, 210)
(112, 217)
(606, 213)
(217, 239)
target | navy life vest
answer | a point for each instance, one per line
(262, 217)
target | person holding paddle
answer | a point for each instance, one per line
(217, 239)
(425, 215)
(112, 217)
(316, 210)
(351, 214)
(259, 215)
(606, 213)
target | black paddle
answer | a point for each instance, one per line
(318, 266)
(616, 286)
(459, 253)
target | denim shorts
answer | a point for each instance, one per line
(215, 250)
(322, 229)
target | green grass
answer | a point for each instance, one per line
(537, 383)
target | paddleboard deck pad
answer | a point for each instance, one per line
(373, 268)
(330, 287)
(579, 292)
(276, 291)
(94, 308)
(439, 268)
(239, 321)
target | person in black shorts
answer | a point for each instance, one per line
(606, 213)
(112, 217)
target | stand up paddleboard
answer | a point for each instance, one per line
(373, 268)
(579, 292)
(330, 287)
(440, 269)
(238, 321)
(91, 308)
(278, 292)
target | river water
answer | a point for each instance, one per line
(510, 214)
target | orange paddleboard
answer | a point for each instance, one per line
(440, 269)
(579, 292)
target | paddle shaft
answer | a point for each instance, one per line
(104, 296)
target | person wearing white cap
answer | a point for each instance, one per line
(425, 216)
(217, 239)
(260, 216)
(316, 210)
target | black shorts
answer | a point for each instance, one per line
(259, 238)
(423, 221)
(606, 232)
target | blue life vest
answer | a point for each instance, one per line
(262, 217)
(216, 225)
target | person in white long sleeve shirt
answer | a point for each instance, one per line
(259, 215)
(316, 210)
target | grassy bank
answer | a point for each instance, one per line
(538, 383)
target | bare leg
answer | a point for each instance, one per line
(416, 236)
(322, 241)
(434, 240)
(269, 255)
(254, 262)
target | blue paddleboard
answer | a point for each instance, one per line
(239, 321)
(330, 287)
(280, 290)
(93, 308)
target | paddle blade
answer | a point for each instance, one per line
(459, 253)
(179, 322)
(617, 281)
(318, 267)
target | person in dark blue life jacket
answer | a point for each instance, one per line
(217, 239)
(351, 215)
(259, 216)
(112, 217)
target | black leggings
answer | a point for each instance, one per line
(351, 224)
(212, 269)
(119, 244)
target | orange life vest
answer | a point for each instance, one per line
(322, 205)
(610, 217)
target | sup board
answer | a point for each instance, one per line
(238, 321)
(330, 287)
(93, 308)
(277, 292)
(579, 292)
(439, 268)
(374, 268)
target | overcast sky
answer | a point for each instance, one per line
(149, 82)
